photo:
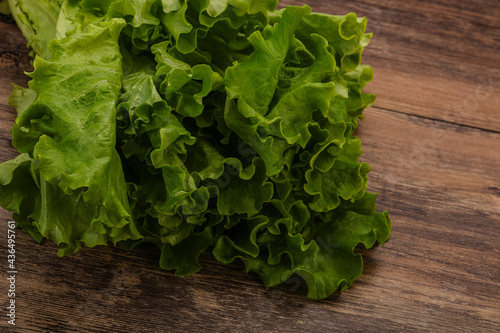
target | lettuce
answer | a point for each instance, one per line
(4, 9)
(201, 126)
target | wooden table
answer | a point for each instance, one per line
(433, 142)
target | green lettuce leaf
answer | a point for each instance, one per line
(37, 19)
(73, 142)
(199, 126)
(4, 8)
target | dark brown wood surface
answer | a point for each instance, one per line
(433, 142)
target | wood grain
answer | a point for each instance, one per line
(438, 177)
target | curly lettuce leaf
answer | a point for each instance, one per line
(4, 8)
(37, 20)
(254, 81)
(200, 126)
(73, 141)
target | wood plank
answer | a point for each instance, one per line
(438, 59)
(439, 271)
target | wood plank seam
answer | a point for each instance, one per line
(434, 119)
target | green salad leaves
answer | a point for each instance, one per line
(201, 126)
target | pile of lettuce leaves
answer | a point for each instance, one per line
(201, 126)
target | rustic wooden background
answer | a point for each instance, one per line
(433, 141)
